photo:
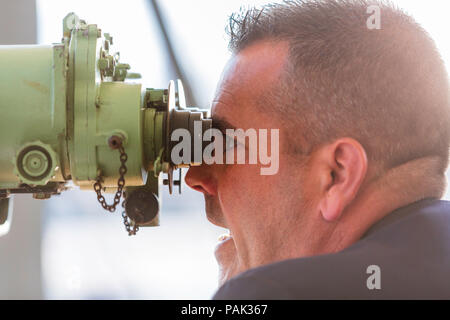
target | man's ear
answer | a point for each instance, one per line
(343, 169)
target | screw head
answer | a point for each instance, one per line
(114, 142)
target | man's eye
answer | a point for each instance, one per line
(232, 142)
(229, 143)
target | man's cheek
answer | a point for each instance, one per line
(242, 179)
(234, 183)
(244, 189)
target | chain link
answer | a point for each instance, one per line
(119, 193)
(131, 230)
(120, 184)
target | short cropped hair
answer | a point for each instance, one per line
(387, 88)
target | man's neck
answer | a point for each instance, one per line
(410, 182)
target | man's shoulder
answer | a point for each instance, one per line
(404, 256)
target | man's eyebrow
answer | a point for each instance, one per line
(221, 124)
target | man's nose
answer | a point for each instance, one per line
(200, 179)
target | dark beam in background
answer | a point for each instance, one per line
(162, 23)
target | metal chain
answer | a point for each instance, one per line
(120, 183)
(116, 143)
(126, 222)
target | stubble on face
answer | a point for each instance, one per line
(213, 210)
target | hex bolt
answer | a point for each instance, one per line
(42, 196)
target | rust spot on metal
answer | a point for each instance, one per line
(39, 87)
(114, 142)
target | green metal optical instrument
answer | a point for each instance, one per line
(68, 113)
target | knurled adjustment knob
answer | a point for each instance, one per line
(35, 163)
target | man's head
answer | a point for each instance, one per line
(358, 109)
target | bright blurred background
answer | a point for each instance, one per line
(68, 247)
